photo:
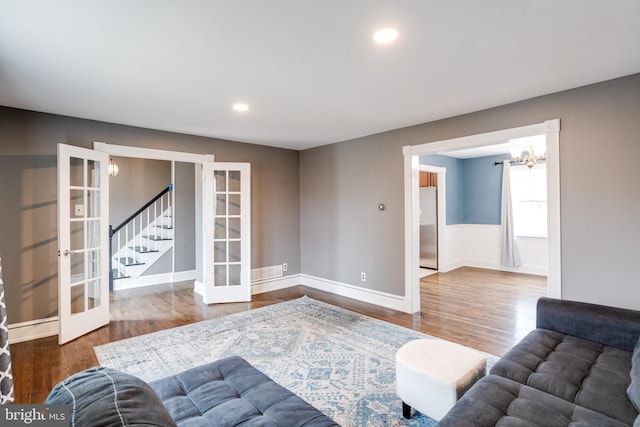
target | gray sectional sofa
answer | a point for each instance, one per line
(227, 392)
(579, 367)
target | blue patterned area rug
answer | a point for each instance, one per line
(341, 362)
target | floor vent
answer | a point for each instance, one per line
(264, 273)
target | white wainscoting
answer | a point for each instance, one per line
(479, 245)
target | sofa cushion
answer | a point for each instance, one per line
(611, 326)
(498, 401)
(578, 371)
(101, 397)
(231, 392)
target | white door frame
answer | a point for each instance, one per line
(166, 155)
(551, 128)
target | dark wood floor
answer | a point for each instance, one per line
(482, 309)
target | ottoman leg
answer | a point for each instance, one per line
(406, 410)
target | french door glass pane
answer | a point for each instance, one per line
(221, 204)
(94, 299)
(221, 229)
(220, 275)
(234, 204)
(93, 173)
(234, 228)
(76, 172)
(93, 203)
(234, 181)
(221, 180)
(93, 264)
(234, 275)
(77, 235)
(76, 200)
(220, 252)
(93, 229)
(77, 267)
(77, 299)
(234, 251)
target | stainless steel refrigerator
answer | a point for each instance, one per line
(428, 228)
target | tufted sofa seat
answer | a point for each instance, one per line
(225, 393)
(579, 371)
(231, 392)
(574, 369)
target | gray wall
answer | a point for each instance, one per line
(185, 220)
(137, 182)
(342, 233)
(28, 207)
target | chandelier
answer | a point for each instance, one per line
(531, 157)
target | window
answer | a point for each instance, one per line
(529, 196)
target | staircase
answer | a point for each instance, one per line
(141, 240)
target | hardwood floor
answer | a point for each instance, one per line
(483, 309)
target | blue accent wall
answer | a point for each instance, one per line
(474, 188)
(482, 189)
(454, 183)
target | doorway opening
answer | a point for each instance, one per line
(221, 197)
(178, 263)
(550, 129)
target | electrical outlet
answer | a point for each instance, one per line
(363, 277)
(285, 267)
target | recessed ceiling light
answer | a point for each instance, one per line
(385, 35)
(240, 106)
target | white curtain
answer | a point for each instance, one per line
(510, 253)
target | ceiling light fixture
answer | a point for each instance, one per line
(530, 159)
(241, 107)
(385, 35)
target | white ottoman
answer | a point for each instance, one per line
(432, 374)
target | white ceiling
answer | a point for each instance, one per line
(309, 70)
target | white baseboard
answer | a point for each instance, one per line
(382, 299)
(198, 287)
(268, 285)
(42, 328)
(33, 330)
(449, 266)
(524, 269)
(154, 279)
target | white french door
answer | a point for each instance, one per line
(83, 241)
(227, 237)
